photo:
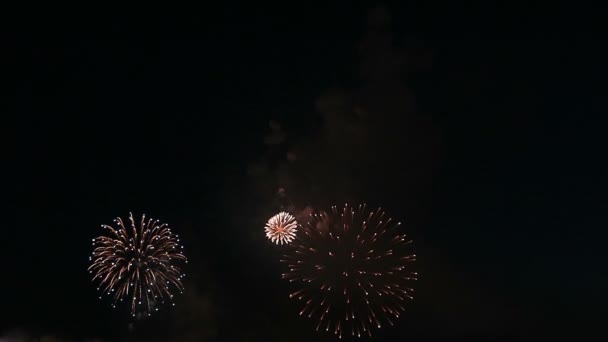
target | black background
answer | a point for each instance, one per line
(162, 111)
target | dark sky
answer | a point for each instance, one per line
(483, 127)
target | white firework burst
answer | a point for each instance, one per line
(281, 228)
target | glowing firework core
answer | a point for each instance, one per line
(281, 228)
(138, 264)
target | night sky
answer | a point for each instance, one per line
(482, 128)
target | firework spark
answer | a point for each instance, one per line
(138, 264)
(351, 270)
(281, 228)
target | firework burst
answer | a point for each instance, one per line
(351, 270)
(138, 265)
(281, 228)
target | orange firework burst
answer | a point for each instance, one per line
(351, 270)
(281, 228)
(138, 264)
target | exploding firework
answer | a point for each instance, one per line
(281, 228)
(351, 270)
(138, 265)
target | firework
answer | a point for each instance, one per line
(351, 270)
(281, 228)
(138, 265)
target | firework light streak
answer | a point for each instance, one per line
(138, 264)
(351, 270)
(281, 228)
